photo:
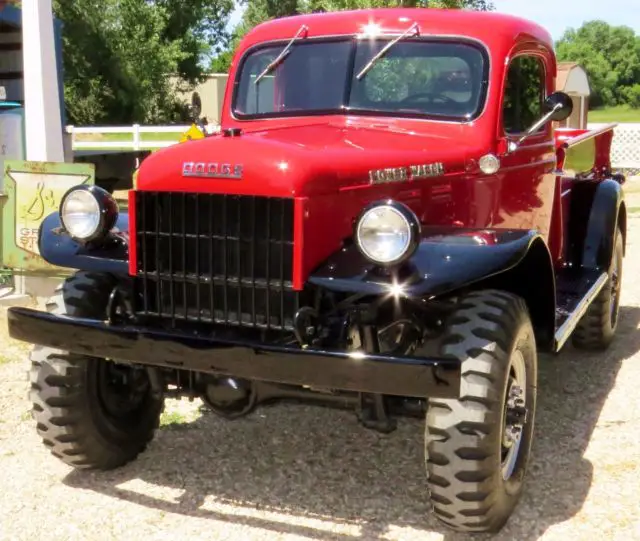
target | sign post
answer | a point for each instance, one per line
(44, 150)
(43, 124)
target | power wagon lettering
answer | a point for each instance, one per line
(412, 172)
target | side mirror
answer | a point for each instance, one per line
(558, 107)
(195, 110)
(196, 107)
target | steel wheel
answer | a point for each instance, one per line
(616, 284)
(515, 414)
(121, 390)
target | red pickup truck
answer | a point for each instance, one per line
(389, 218)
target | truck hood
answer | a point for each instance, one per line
(300, 160)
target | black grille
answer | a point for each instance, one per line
(215, 258)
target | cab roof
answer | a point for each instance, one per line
(491, 28)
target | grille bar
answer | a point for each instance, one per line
(215, 258)
(172, 300)
(141, 211)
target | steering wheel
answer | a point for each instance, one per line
(432, 97)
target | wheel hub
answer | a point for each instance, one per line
(615, 292)
(122, 390)
(515, 414)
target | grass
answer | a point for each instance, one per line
(125, 138)
(632, 188)
(619, 113)
(143, 137)
(170, 418)
(178, 414)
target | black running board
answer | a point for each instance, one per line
(574, 295)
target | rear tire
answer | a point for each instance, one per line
(90, 412)
(477, 447)
(598, 326)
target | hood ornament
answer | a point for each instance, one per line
(212, 170)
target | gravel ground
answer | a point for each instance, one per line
(296, 472)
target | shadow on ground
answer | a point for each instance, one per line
(311, 462)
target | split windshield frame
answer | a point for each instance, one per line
(354, 39)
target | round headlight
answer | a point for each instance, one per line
(88, 212)
(387, 233)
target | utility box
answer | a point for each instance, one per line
(12, 140)
(11, 56)
(12, 147)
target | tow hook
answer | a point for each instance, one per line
(305, 325)
(373, 413)
(120, 307)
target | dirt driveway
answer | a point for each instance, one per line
(292, 472)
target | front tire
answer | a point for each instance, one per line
(91, 413)
(477, 447)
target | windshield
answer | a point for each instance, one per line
(437, 79)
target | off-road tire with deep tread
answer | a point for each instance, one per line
(463, 436)
(69, 415)
(597, 328)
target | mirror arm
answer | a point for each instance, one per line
(513, 145)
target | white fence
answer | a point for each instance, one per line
(135, 142)
(625, 153)
(625, 149)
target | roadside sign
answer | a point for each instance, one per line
(32, 191)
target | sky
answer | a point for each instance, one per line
(558, 15)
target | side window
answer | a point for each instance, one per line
(524, 94)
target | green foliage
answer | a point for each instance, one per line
(523, 94)
(200, 27)
(119, 55)
(258, 11)
(394, 79)
(632, 95)
(335, 5)
(611, 57)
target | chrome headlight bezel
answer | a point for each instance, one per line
(106, 212)
(410, 221)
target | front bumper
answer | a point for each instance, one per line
(225, 352)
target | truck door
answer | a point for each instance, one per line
(527, 174)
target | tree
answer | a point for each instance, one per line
(334, 5)
(611, 57)
(200, 26)
(120, 56)
(258, 11)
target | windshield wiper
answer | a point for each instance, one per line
(284, 52)
(416, 31)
